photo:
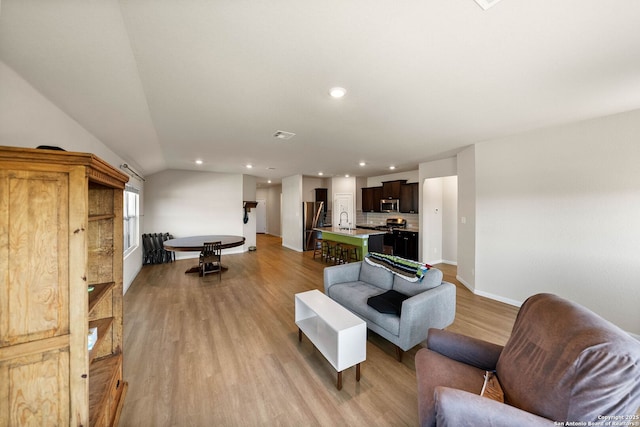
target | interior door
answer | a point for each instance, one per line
(343, 213)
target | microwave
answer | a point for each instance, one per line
(389, 205)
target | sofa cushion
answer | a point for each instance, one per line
(354, 295)
(377, 276)
(389, 302)
(431, 279)
(565, 363)
(434, 370)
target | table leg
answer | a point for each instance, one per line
(358, 372)
(339, 385)
(196, 269)
(299, 335)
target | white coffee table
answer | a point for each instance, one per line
(340, 335)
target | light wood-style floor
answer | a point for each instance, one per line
(199, 352)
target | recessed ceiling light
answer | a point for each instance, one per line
(337, 92)
(269, 182)
(320, 173)
(198, 162)
(362, 164)
(249, 166)
(346, 176)
(392, 167)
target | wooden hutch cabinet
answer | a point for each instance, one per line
(60, 275)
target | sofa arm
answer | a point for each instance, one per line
(468, 350)
(342, 273)
(460, 408)
(433, 308)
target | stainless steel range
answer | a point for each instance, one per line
(391, 225)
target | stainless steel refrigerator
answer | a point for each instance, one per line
(312, 217)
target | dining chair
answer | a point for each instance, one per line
(210, 259)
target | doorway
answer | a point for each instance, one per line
(261, 216)
(439, 220)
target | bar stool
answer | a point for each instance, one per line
(333, 251)
(318, 248)
(349, 253)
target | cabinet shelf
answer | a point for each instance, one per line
(106, 388)
(103, 326)
(101, 217)
(98, 294)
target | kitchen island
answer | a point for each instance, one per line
(358, 237)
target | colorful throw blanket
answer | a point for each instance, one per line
(410, 270)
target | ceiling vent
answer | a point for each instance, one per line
(486, 4)
(280, 134)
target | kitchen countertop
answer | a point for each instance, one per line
(353, 232)
(369, 226)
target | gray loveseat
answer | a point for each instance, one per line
(431, 302)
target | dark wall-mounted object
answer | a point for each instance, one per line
(247, 208)
(49, 147)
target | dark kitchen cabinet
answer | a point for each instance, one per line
(405, 244)
(321, 196)
(376, 241)
(409, 198)
(391, 189)
(371, 199)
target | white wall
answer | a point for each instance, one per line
(439, 233)
(450, 220)
(309, 186)
(28, 119)
(431, 231)
(292, 212)
(272, 197)
(428, 170)
(558, 210)
(466, 166)
(249, 194)
(187, 203)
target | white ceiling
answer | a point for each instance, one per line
(163, 82)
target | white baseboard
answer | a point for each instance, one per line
(292, 248)
(434, 261)
(498, 298)
(466, 285)
(444, 261)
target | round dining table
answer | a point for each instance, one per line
(196, 243)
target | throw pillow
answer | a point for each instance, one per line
(389, 302)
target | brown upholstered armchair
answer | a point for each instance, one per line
(562, 364)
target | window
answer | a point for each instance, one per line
(131, 218)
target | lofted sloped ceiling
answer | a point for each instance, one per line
(166, 82)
